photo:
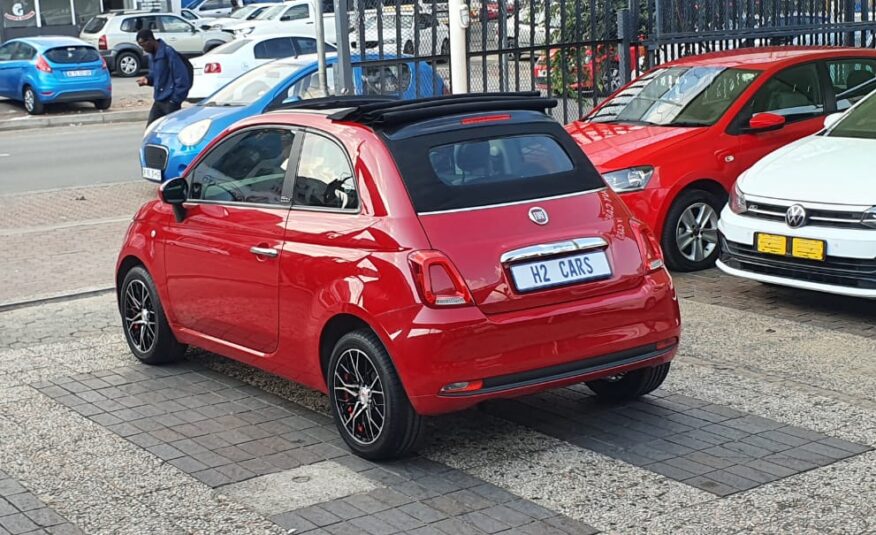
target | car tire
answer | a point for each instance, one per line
(32, 104)
(128, 64)
(358, 362)
(693, 216)
(630, 385)
(103, 104)
(408, 49)
(138, 293)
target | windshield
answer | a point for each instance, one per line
(251, 86)
(677, 96)
(388, 22)
(271, 12)
(860, 122)
(244, 12)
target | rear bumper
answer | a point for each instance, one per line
(75, 96)
(525, 352)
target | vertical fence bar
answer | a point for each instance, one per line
(579, 49)
(624, 31)
(344, 66)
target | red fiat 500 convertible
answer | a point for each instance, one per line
(409, 258)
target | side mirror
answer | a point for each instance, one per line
(175, 192)
(765, 122)
(832, 119)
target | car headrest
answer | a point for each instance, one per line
(473, 156)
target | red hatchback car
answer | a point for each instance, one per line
(673, 142)
(409, 258)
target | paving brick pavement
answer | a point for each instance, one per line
(22, 512)
(64, 241)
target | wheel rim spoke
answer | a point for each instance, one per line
(139, 316)
(359, 397)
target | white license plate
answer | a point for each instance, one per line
(150, 173)
(561, 271)
(75, 74)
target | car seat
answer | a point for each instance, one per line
(859, 77)
(473, 159)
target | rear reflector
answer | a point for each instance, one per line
(212, 68)
(486, 119)
(664, 344)
(463, 386)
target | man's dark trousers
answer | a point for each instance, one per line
(160, 109)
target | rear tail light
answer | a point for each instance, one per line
(649, 246)
(438, 281)
(102, 44)
(42, 64)
(212, 68)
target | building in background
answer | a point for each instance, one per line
(24, 18)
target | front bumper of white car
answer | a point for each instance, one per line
(848, 267)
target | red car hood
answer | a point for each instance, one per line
(613, 146)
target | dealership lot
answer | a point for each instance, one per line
(766, 424)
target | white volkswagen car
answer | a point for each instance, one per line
(805, 216)
(225, 63)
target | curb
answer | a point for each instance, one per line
(31, 122)
(81, 294)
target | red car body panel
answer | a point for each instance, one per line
(273, 313)
(682, 156)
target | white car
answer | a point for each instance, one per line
(224, 64)
(288, 17)
(388, 34)
(247, 12)
(211, 8)
(805, 216)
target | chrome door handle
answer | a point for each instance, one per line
(264, 251)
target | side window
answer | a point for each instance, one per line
(7, 50)
(211, 4)
(295, 13)
(852, 80)
(308, 87)
(386, 79)
(794, 93)
(175, 25)
(324, 178)
(23, 52)
(135, 24)
(280, 47)
(424, 21)
(247, 167)
(306, 45)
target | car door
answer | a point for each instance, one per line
(299, 14)
(222, 260)
(425, 23)
(7, 68)
(181, 35)
(796, 93)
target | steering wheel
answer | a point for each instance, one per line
(329, 197)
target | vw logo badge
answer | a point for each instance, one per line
(795, 216)
(538, 215)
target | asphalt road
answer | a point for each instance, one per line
(33, 160)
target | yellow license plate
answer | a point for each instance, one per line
(772, 244)
(808, 249)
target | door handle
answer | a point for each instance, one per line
(264, 251)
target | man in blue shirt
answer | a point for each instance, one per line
(168, 74)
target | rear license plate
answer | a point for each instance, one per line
(150, 173)
(77, 74)
(800, 247)
(560, 271)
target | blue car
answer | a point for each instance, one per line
(44, 70)
(171, 143)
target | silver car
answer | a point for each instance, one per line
(115, 36)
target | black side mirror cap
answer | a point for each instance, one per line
(175, 192)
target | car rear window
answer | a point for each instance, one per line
(480, 167)
(95, 25)
(230, 47)
(72, 54)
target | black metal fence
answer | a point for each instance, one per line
(579, 50)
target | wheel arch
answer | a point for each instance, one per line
(333, 330)
(125, 265)
(710, 185)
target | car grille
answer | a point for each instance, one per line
(849, 272)
(155, 156)
(820, 218)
